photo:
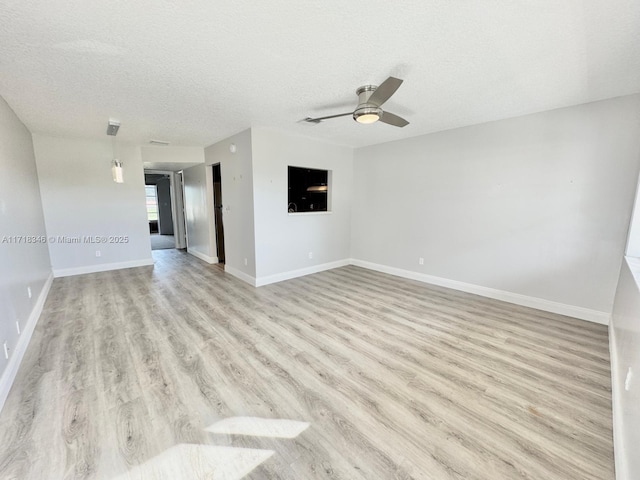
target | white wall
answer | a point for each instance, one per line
(537, 205)
(237, 200)
(624, 333)
(263, 243)
(22, 264)
(283, 241)
(81, 199)
(633, 239)
(198, 198)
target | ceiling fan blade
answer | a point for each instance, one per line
(384, 91)
(394, 120)
(319, 119)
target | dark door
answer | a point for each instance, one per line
(165, 213)
(217, 207)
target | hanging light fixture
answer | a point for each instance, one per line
(116, 170)
(116, 164)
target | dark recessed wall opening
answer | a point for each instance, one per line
(308, 190)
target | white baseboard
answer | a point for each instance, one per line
(103, 267)
(202, 256)
(11, 370)
(619, 451)
(245, 277)
(516, 298)
(279, 277)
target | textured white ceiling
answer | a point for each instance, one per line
(193, 72)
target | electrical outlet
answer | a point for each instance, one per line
(310, 254)
(29, 291)
(18, 326)
(245, 261)
(421, 261)
(98, 253)
(6, 351)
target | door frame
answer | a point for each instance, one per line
(177, 206)
(215, 223)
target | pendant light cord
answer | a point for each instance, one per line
(113, 147)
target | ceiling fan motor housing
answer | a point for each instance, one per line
(366, 112)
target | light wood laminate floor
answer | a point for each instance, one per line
(128, 371)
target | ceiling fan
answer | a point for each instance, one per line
(370, 99)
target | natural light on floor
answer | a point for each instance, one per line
(188, 461)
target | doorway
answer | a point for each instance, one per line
(165, 209)
(159, 211)
(179, 215)
(217, 209)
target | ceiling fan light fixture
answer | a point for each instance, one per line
(367, 115)
(370, 99)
